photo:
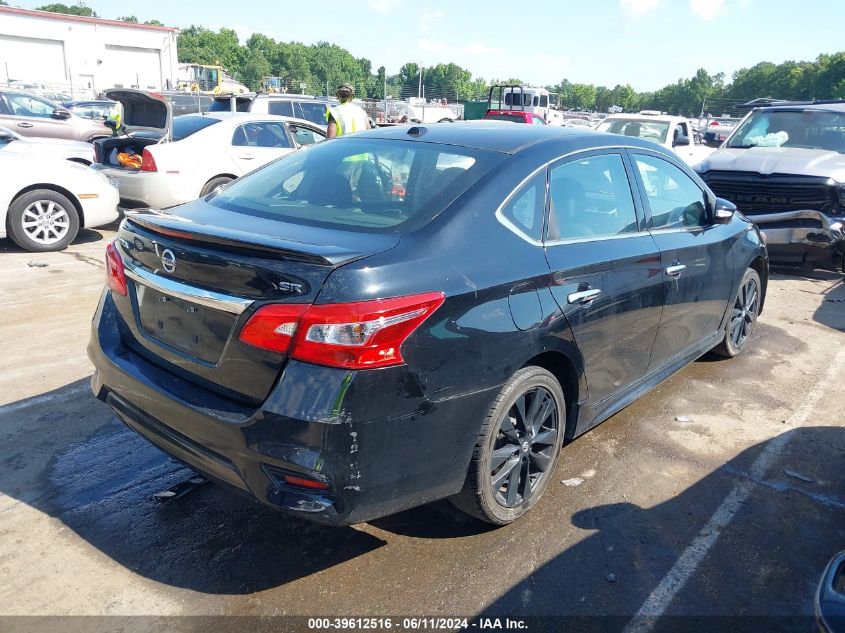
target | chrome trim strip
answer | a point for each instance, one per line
(227, 303)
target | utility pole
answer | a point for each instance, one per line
(419, 87)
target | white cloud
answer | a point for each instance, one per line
(638, 7)
(429, 17)
(706, 9)
(383, 6)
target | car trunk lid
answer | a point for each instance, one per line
(144, 112)
(195, 281)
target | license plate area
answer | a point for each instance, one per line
(191, 328)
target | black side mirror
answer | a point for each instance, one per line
(61, 113)
(681, 140)
(723, 211)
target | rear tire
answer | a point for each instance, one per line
(517, 449)
(743, 316)
(42, 220)
(214, 184)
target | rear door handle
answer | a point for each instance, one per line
(583, 297)
(24, 124)
(676, 270)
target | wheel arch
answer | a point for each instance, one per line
(49, 187)
(232, 176)
(566, 371)
(761, 266)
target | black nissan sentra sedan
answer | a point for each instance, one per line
(409, 314)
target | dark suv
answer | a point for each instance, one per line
(407, 314)
(784, 168)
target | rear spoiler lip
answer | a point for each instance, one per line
(179, 228)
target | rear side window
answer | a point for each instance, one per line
(280, 108)
(368, 185)
(590, 197)
(185, 126)
(261, 134)
(524, 212)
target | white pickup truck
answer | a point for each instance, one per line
(672, 132)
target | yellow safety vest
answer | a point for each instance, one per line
(349, 118)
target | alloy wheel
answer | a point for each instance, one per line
(45, 222)
(524, 447)
(744, 313)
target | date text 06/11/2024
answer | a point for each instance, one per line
(415, 624)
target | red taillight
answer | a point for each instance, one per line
(305, 483)
(361, 335)
(712, 123)
(115, 278)
(273, 326)
(148, 163)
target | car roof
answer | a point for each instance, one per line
(246, 117)
(817, 107)
(634, 116)
(503, 136)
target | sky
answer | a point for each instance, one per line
(645, 43)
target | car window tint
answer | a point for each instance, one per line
(590, 197)
(370, 185)
(675, 199)
(28, 105)
(314, 112)
(261, 134)
(305, 136)
(526, 208)
(279, 107)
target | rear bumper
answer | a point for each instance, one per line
(141, 189)
(371, 435)
(821, 244)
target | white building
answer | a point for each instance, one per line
(84, 55)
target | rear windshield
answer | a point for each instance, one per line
(641, 128)
(809, 129)
(184, 126)
(223, 105)
(369, 185)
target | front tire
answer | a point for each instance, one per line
(517, 449)
(43, 220)
(743, 316)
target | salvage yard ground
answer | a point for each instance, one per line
(722, 492)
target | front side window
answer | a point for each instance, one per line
(28, 105)
(590, 197)
(314, 111)
(809, 129)
(305, 136)
(675, 199)
(524, 212)
(366, 185)
(261, 134)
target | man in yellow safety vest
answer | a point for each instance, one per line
(346, 118)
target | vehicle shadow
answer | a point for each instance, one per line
(65, 454)
(759, 574)
(85, 236)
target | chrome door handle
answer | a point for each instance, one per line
(584, 297)
(247, 157)
(24, 124)
(675, 270)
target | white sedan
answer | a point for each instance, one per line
(44, 202)
(164, 160)
(13, 143)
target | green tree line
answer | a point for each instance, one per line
(321, 67)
